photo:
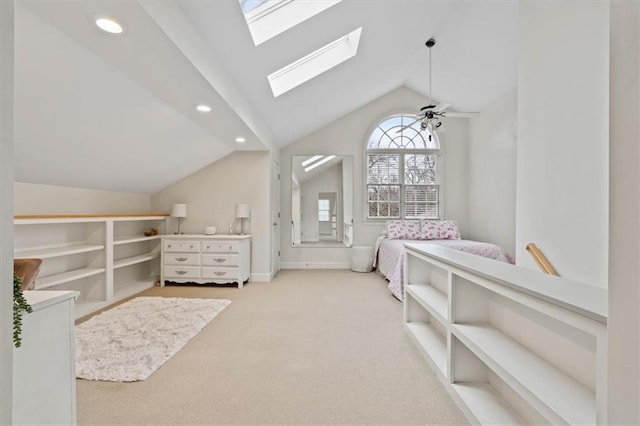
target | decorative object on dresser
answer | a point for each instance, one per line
(131, 341)
(179, 210)
(202, 259)
(242, 212)
(105, 258)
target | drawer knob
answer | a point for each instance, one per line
(219, 260)
(168, 245)
(181, 272)
(219, 273)
(181, 259)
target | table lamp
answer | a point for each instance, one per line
(242, 213)
(179, 210)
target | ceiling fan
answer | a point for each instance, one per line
(430, 114)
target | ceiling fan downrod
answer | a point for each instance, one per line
(430, 43)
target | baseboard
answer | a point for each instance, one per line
(315, 265)
(261, 278)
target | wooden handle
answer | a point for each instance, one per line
(541, 259)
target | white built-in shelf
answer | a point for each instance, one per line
(485, 405)
(564, 399)
(71, 245)
(120, 263)
(584, 299)
(461, 311)
(134, 239)
(432, 344)
(56, 251)
(57, 279)
(430, 298)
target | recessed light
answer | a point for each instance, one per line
(203, 108)
(240, 140)
(109, 25)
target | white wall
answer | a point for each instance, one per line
(492, 173)
(212, 193)
(346, 136)
(6, 211)
(562, 151)
(624, 248)
(30, 198)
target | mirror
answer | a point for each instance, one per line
(321, 201)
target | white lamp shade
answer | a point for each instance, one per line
(179, 210)
(242, 210)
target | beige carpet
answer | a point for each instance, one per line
(311, 347)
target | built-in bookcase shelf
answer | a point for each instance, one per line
(121, 263)
(57, 251)
(103, 258)
(513, 345)
(134, 239)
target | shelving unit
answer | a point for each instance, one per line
(105, 258)
(514, 346)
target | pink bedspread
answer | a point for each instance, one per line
(390, 257)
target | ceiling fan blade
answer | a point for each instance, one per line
(455, 114)
(440, 107)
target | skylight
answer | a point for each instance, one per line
(268, 18)
(249, 5)
(315, 63)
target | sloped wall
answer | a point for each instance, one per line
(31, 198)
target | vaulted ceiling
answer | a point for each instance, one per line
(117, 112)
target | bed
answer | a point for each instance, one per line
(389, 256)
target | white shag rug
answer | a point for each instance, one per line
(131, 341)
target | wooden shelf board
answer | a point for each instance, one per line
(562, 395)
(486, 405)
(135, 259)
(430, 298)
(81, 216)
(49, 252)
(57, 279)
(431, 343)
(134, 239)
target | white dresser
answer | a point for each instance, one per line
(199, 258)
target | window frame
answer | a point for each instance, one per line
(439, 153)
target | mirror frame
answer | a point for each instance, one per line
(344, 192)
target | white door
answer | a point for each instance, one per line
(275, 216)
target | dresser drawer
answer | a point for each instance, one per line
(181, 246)
(220, 247)
(220, 273)
(181, 271)
(182, 259)
(220, 259)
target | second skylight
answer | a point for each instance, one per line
(315, 63)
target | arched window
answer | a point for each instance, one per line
(403, 179)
